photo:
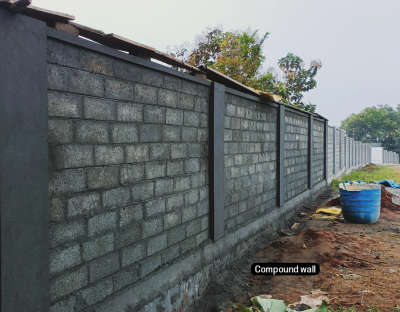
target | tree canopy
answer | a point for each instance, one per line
(239, 55)
(377, 124)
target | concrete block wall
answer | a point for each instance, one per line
(250, 160)
(130, 223)
(128, 179)
(129, 185)
(296, 154)
(318, 164)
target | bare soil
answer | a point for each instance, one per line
(360, 266)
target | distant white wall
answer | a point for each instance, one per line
(377, 155)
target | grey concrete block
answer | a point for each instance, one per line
(178, 151)
(186, 101)
(152, 227)
(164, 186)
(132, 173)
(154, 114)
(63, 54)
(85, 83)
(149, 265)
(159, 151)
(189, 213)
(202, 135)
(174, 202)
(204, 223)
(188, 244)
(172, 219)
(56, 206)
(182, 184)
(167, 98)
(64, 104)
(108, 154)
(83, 204)
(60, 131)
(98, 247)
(142, 191)
(201, 104)
(193, 227)
(191, 119)
(145, 94)
(70, 180)
(155, 207)
(130, 214)
(102, 177)
(172, 83)
(102, 222)
(150, 133)
(67, 305)
(175, 167)
(201, 237)
(68, 282)
(174, 117)
(137, 153)
(170, 254)
(176, 235)
(117, 197)
(153, 78)
(126, 277)
(117, 89)
(171, 134)
(58, 77)
(192, 197)
(63, 259)
(65, 232)
(156, 244)
(96, 63)
(129, 235)
(192, 165)
(92, 132)
(194, 150)
(129, 112)
(132, 254)
(189, 134)
(124, 133)
(73, 156)
(103, 267)
(99, 109)
(156, 169)
(127, 71)
(98, 292)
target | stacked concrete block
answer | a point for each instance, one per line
(128, 173)
(317, 169)
(296, 154)
(250, 160)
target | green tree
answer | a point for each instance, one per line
(298, 79)
(377, 124)
(239, 56)
(235, 54)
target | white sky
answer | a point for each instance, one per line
(356, 40)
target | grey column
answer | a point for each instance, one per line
(281, 155)
(217, 175)
(334, 152)
(326, 149)
(310, 150)
(23, 164)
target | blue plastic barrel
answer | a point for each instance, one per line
(361, 203)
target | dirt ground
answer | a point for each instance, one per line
(360, 265)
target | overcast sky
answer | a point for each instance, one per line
(356, 40)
